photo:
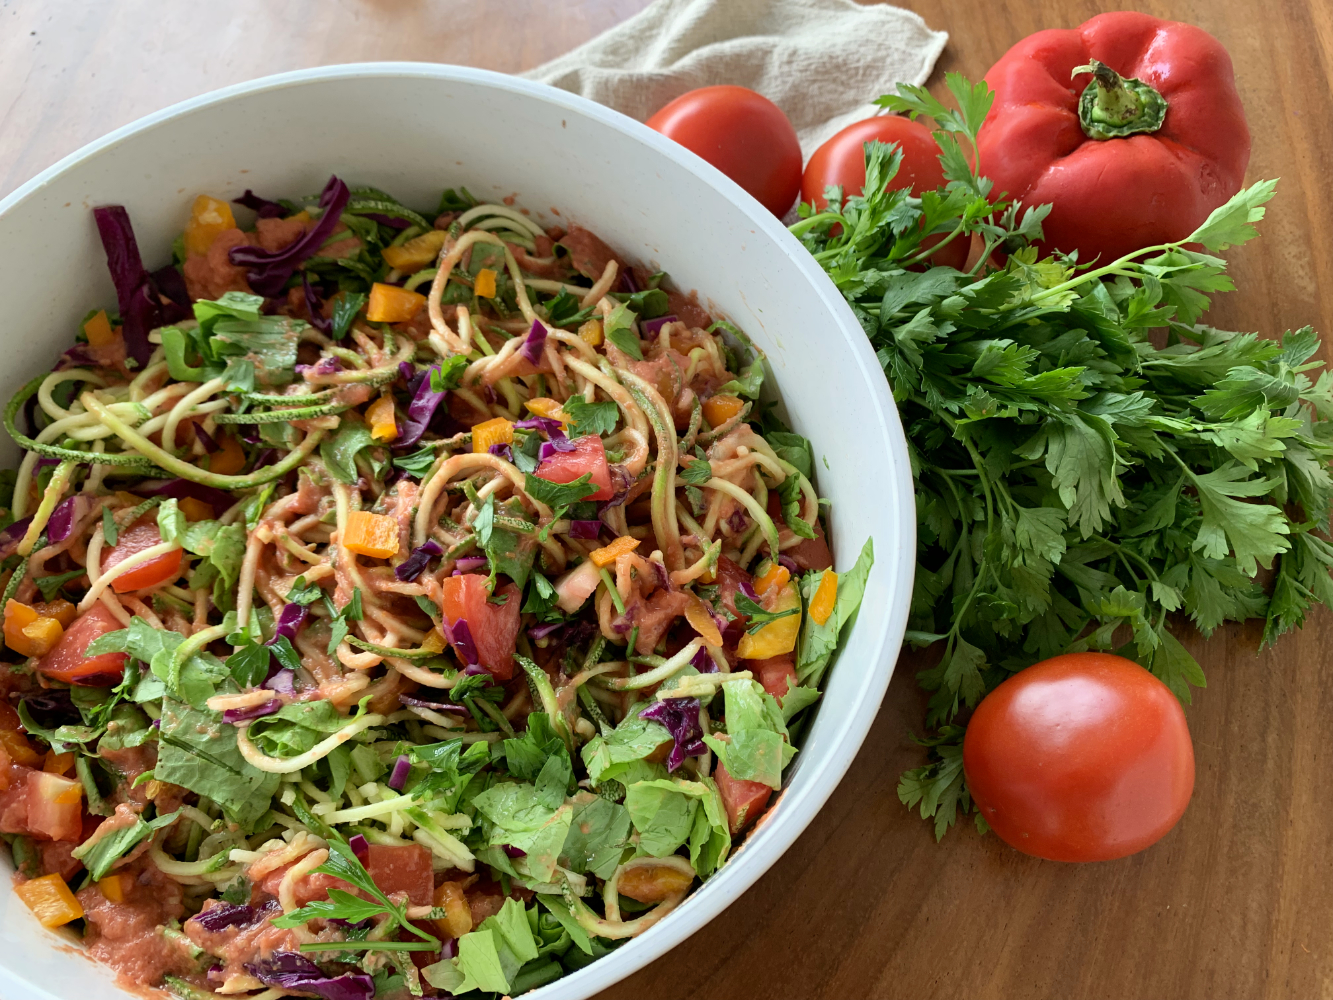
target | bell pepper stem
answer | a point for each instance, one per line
(1112, 106)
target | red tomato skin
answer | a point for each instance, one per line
(1082, 757)
(743, 134)
(774, 674)
(841, 160)
(402, 869)
(494, 627)
(66, 661)
(742, 800)
(589, 455)
(140, 535)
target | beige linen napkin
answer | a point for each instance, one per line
(821, 61)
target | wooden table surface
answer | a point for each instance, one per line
(1236, 901)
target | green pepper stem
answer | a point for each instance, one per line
(1112, 106)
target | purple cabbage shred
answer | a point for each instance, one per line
(652, 327)
(64, 517)
(401, 768)
(283, 682)
(207, 440)
(702, 662)
(225, 915)
(269, 270)
(421, 410)
(313, 305)
(534, 343)
(415, 564)
(680, 716)
(584, 529)
(469, 563)
(179, 489)
(460, 637)
(140, 304)
(292, 970)
(262, 207)
(235, 715)
(11, 536)
(360, 847)
(290, 621)
(502, 450)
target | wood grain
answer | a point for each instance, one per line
(1235, 901)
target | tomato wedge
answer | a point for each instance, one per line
(402, 869)
(494, 627)
(743, 800)
(588, 456)
(66, 661)
(140, 535)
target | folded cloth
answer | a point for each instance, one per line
(821, 61)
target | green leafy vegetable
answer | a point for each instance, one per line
(590, 418)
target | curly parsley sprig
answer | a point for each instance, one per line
(1091, 459)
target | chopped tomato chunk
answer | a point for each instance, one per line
(141, 535)
(773, 673)
(743, 800)
(402, 869)
(66, 661)
(588, 456)
(494, 627)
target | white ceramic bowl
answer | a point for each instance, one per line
(414, 129)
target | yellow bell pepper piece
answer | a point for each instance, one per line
(484, 285)
(98, 330)
(373, 535)
(719, 409)
(380, 417)
(826, 594)
(113, 888)
(433, 641)
(702, 622)
(489, 432)
(195, 510)
(58, 763)
(19, 749)
(208, 217)
(61, 610)
(42, 633)
(50, 900)
(416, 253)
(777, 637)
(608, 554)
(17, 618)
(591, 332)
(229, 459)
(391, 304)
(543, 406)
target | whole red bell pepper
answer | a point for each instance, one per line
(1129, 126)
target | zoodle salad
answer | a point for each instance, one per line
(396, 606)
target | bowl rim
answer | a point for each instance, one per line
(895, 556)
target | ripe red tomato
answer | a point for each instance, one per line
(494, 627)
(402, 869)
(66, 661)
(588, 456)
(841, 161)
(140, 535)
(1083, 757)
(742, 800)
(743, 134)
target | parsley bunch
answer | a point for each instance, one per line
(1091, 460)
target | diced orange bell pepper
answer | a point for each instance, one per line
(208, 217)
(380, 417)
(61, 610)
(719, 409)
(826, 594)
(457, 919)
(484, 285)
(17, 618)
(42, 634)
(391, 304)
(229, 459)
(58, 763)
(19, 749)
(608, 554)
(113, 888)
(776, 637)
(433, 641)
(591, 332)
(543, 406)
(702, 622)
(195, 510)
(416, 253)
(98, 330)
(772, 574)
(373, 535)
(489, 432)
(50, 900)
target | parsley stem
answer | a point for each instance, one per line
(605, 574)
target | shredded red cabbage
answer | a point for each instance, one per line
(206, 439)
(789, 563)
(469, 563)
(503, 450)
(262, 207)
(551, 428)
(702, 662)
(235, 715)
(283, 682)
(64, 517)
(140, 307)
(11, 536)
(515, 852)
(225, 915)
(357, 842)
(680, 716)
(421, 410)
(401, 768)
(747, 588)
(171, 285)
(460, 637)
(651, 327)
(292, 970)
(271, 269)
(415, 564)
(542, 631)
(434, 706)
(324, 366)
(290, 621)
(219, 500)
(621, 481)
(737, 521)
(313, 306)
(584, 529)
(534, 343)
(556, 444)
(628, 283)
